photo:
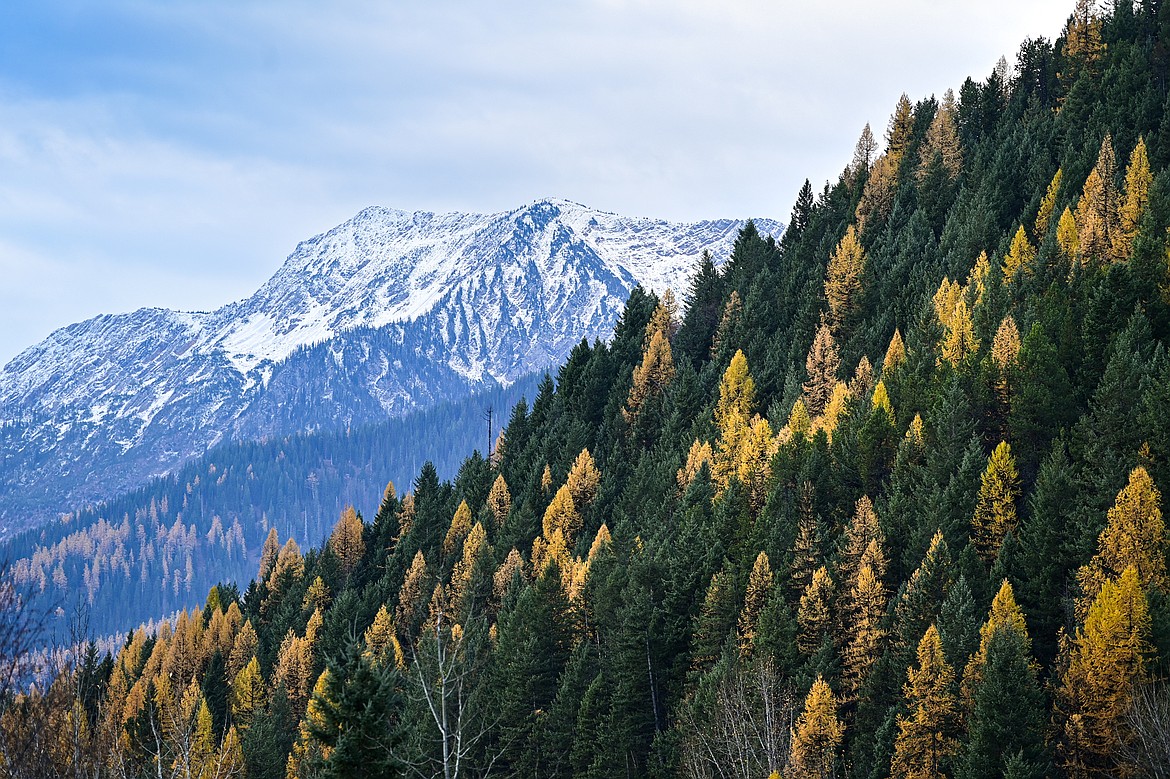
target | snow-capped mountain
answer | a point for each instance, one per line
(385, 313)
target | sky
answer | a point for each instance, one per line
(173, 153)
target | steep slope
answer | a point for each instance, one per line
(388, 312)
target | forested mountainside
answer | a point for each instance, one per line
(159, 549)
(884, 501)
(386, 313)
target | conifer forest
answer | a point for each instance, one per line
(881, 498)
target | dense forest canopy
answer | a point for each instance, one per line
(885, 500)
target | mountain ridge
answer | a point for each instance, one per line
(387, 312)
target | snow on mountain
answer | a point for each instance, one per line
(387, 312)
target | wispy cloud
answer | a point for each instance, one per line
(172, 153)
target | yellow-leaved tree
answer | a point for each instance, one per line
(817, 735)
(995, 510)
(1134, 535)
(1105, 663)
(843, 277)
(822, 365)
(927, 734)
(1020, 259)
(1097, 214)
(346, 540)
(1138, 180)
(759, 586)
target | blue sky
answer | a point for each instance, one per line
(172, 153)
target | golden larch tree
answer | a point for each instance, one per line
(458, 529)
(381, 640)
(697, 456)
(1020, 259)
(843, 277)
(405, 514)
(900, 130)
(759, 585)
(1097, 214)
(817, 735)
(995, 510)
(411, 595)
(652, 376)
(346, 540)
(895, 354)
(499, 500)
(1047, 207)
(268, 555)
(475, 548)
(1005, 615)
(865, 633)
(814, 617)
(1107, 660)
(822, 365)
(583, 481)
(562, 516)
(1134, 535)
(1067, 238)
(942, 139)
(1138, 181)
(504, 576)
(1005, 355)
(249, 693)
(926, 735)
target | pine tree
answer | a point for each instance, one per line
(1134, 535)
(1106, 661)
(995, 511)
(806, 549)
(346, 540)
(843, 278)
(1002, 696)
(822, 365)
(926, 736)
(817, 736)
(759, 586)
